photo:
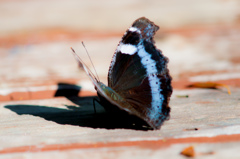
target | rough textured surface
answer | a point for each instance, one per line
(46, 106)
(208, 120)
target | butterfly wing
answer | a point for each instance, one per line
(138, 73)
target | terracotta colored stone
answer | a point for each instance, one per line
(20, 96)
(5, 97)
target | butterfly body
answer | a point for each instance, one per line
(138, 80)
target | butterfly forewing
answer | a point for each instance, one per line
(138, 72)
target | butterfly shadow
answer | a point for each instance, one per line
(81, 115)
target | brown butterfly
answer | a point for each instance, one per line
(138, 78)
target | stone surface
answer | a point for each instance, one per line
(46, 102)
(207, 119)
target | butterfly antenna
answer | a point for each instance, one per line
(74, 53)
(83, 65)
(90, 59)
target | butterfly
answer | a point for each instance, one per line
(138, 79)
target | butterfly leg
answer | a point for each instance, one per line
(94, 106)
